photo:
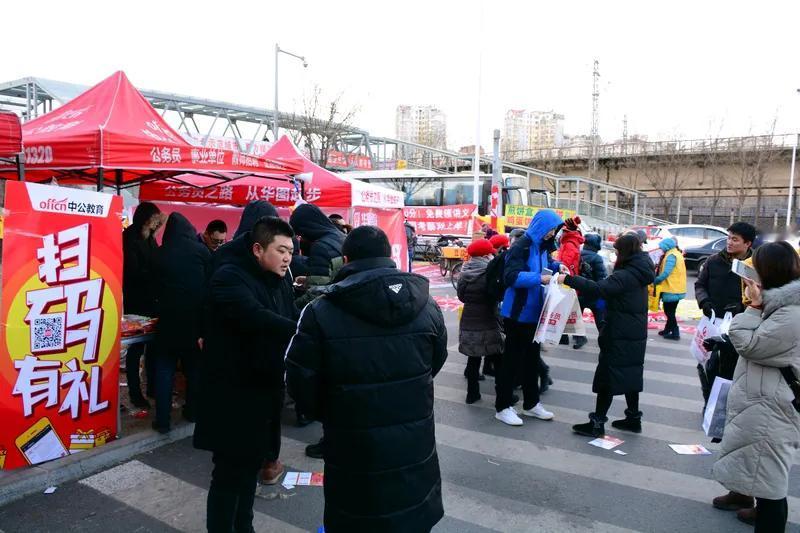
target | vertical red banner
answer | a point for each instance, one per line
(391, 222)
(59, 322)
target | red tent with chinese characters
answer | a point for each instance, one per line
(111, 135)
(320, 187)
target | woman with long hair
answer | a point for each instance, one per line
(623, 336)
(762, 429)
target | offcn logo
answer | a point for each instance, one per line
(51, 204)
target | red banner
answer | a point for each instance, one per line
(349, 161)
(279, 193)
(60, 320)
(445, 220)
(391, 222)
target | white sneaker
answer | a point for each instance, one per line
(509, 416)
(538, 412)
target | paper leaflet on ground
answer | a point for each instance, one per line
(304, 479)
(689, 449)
(606, 442)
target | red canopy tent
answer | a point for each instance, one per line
(113, 127)
(11, 141)
(321, 187)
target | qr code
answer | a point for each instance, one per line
(47, 334)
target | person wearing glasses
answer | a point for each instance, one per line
(215, 235)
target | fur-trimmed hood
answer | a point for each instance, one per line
(784, 296)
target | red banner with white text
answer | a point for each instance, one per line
(60, 320)
(444, 220)
(391, 222)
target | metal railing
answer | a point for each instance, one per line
(636, 148)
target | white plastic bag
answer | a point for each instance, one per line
(714, 417)
(708, 327)
(725, 324)
(557, 307)
(575, 324)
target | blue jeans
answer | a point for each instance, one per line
(410, 259)
(166, 365)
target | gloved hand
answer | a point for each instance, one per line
(712, 343)
(708, 309)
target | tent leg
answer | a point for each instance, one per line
(118, 174)
(20, 168)
(100, 179)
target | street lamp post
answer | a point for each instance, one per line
(791, 181)
(278, 50)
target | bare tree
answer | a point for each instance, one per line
(665, 174)
(324, 124)
(752, 156)
(712, 170)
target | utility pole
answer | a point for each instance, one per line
(595, 119)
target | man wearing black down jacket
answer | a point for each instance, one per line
(363, 362)
(241, 386)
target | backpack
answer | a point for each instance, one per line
(586, 270)
(495, 277)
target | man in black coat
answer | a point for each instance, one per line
(363, 363)
(719, 290)
(253, 315)
(320, 240)
(139, 250)
(182, 267)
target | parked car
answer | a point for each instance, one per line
(690, 235)
(696, 257)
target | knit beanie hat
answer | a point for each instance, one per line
(480, 248)
(573, 223)
(499, 241)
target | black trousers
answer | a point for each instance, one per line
(232, 493)
(771, 515)
(604, 400)
(276, 408)
(132, 360)
(670, 308)
(521, 359)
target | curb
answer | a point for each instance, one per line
(17, 484)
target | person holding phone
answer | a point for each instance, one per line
(762, 428)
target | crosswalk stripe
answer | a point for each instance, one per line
(178, 502)
(652, 430)
(648, 358)
(492, 511)
(664, 377)
(577, 387)
(613, 471)
(474, 506)
(679, 346)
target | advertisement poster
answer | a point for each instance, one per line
(60, 320)
(391, 222)
(444, 220)
(520, 216)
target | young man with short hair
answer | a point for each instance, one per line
(242, 375)
(215, 235)
(362, 362)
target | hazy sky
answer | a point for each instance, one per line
(674, 68)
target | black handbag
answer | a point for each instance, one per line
(791, 380)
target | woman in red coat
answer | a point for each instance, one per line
(570, 255)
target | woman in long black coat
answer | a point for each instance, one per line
(623, 337)
(182, 270)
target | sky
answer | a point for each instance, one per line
(676, 69)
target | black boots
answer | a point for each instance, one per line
(473, 391)
(632, 422)
(673, 334)
(595, 427)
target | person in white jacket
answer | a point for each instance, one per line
(762, 428)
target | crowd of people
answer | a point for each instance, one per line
(229, 313)
(316, 309)
(760, 354)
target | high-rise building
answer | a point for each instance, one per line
(421, 124)
(531, 130)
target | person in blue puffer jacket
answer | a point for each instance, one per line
(521, 308)
(671, 283)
